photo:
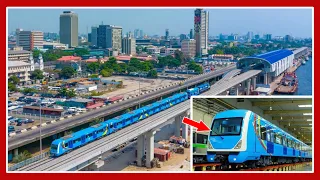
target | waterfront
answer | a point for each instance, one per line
(304, 73)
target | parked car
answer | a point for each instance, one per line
(10, 129)
(26, 121)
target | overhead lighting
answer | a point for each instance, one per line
(307, 114)
(281, 117)
(310, 124)
(309, 119)
(305, 106)
(270, 108)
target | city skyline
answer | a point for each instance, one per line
(225, 21)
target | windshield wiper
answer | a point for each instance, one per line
(218, 134)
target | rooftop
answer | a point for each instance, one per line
(19, 52)
(69, 58)
(17, 63)
(274, 56)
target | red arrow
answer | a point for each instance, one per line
(201, 126)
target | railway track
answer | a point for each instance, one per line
(275, 167)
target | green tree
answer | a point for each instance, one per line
(14, 80)
(134, 62)
(123, 67)
(22, 157)
(37, 74)
(35, 53)
(29, 90)
(180, 56)
(106, 72)
(193, 66)
(93, 67)
(94, 76)
(96, 121)
(132, 69)
(67, 92)
(67, 72)
(219, 51)
(71, 93)
(12, 87)
(152, 73)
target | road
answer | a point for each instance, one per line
(60, 126)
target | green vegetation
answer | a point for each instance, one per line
(12, 83)
(69, 93)
(21, 157)
(93, 67)
(96, 121)
(153, 73)
(29, 90)
(193, 66)
(54, 54)
(95, 93)
(37, 74)
(67, 72)
(94, 76)
(106, 72)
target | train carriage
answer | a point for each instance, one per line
(241, 136)
(110, 126)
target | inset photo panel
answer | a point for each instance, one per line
(247, 133)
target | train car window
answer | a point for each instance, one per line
(269, 136)
(111, 126)
(263, 133)
(278, 138)
(66, 144)
(90, 134)
(284, 140)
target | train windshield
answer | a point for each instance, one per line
(54, 147)
(226, 126)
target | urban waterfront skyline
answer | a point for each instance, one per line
(225, 21)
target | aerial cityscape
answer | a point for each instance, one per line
(107, 89)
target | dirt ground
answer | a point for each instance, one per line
(177, 162)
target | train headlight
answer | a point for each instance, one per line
(238, 146)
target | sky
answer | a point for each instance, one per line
(295, 22)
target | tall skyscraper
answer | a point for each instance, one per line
(183, 37)
(167, 34)
(141, 34)
(29, 40)
(136, 33)
(201, 30)
(129, 46)
(191, 34)
(69, 28)
(268, 37)
(94, 36)
(250, 35)
(110, 36)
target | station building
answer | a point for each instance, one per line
(271, 63)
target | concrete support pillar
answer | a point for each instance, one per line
(185, 131)
(140, 149)
(248, 86)
(178, 121)
(254, 82)
(149, 148)
(15, 152)
(237, 90)
(266, 78)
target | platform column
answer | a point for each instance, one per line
(237, 90)
(248, 86)
(266, 78)
(178, 121)
(254, 82)
(149, 148)
(140, 149)
(15, 152)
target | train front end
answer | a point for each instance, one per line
(227, 141)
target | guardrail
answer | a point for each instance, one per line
(28, 161)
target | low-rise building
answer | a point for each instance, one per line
(19, 69)
(188, 47)
(18, 55)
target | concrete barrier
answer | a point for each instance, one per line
(12, 134)
(53, 121)
(34, 127)
(97, 107)
(24, 130)
(43, 124)
(61, 118)
(77, 114)
(104, 105)
(69, 116)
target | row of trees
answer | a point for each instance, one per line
(54, 54)
(111, 66)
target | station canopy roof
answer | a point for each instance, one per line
(273, 56)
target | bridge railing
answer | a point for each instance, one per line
(28, 161)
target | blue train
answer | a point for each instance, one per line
(243, 137)
(67, 143)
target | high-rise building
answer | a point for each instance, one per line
(188, 47)
(30, 40)
(110, 36)
(257, 36)
(69, 28)
(94, 36)
(268, 37)
(136, 33)
(288, 38)
(167, 34)
(191, 34)
(201, 30)
(183, 37)
(250, 35)
(141, 34)
(129, 46)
